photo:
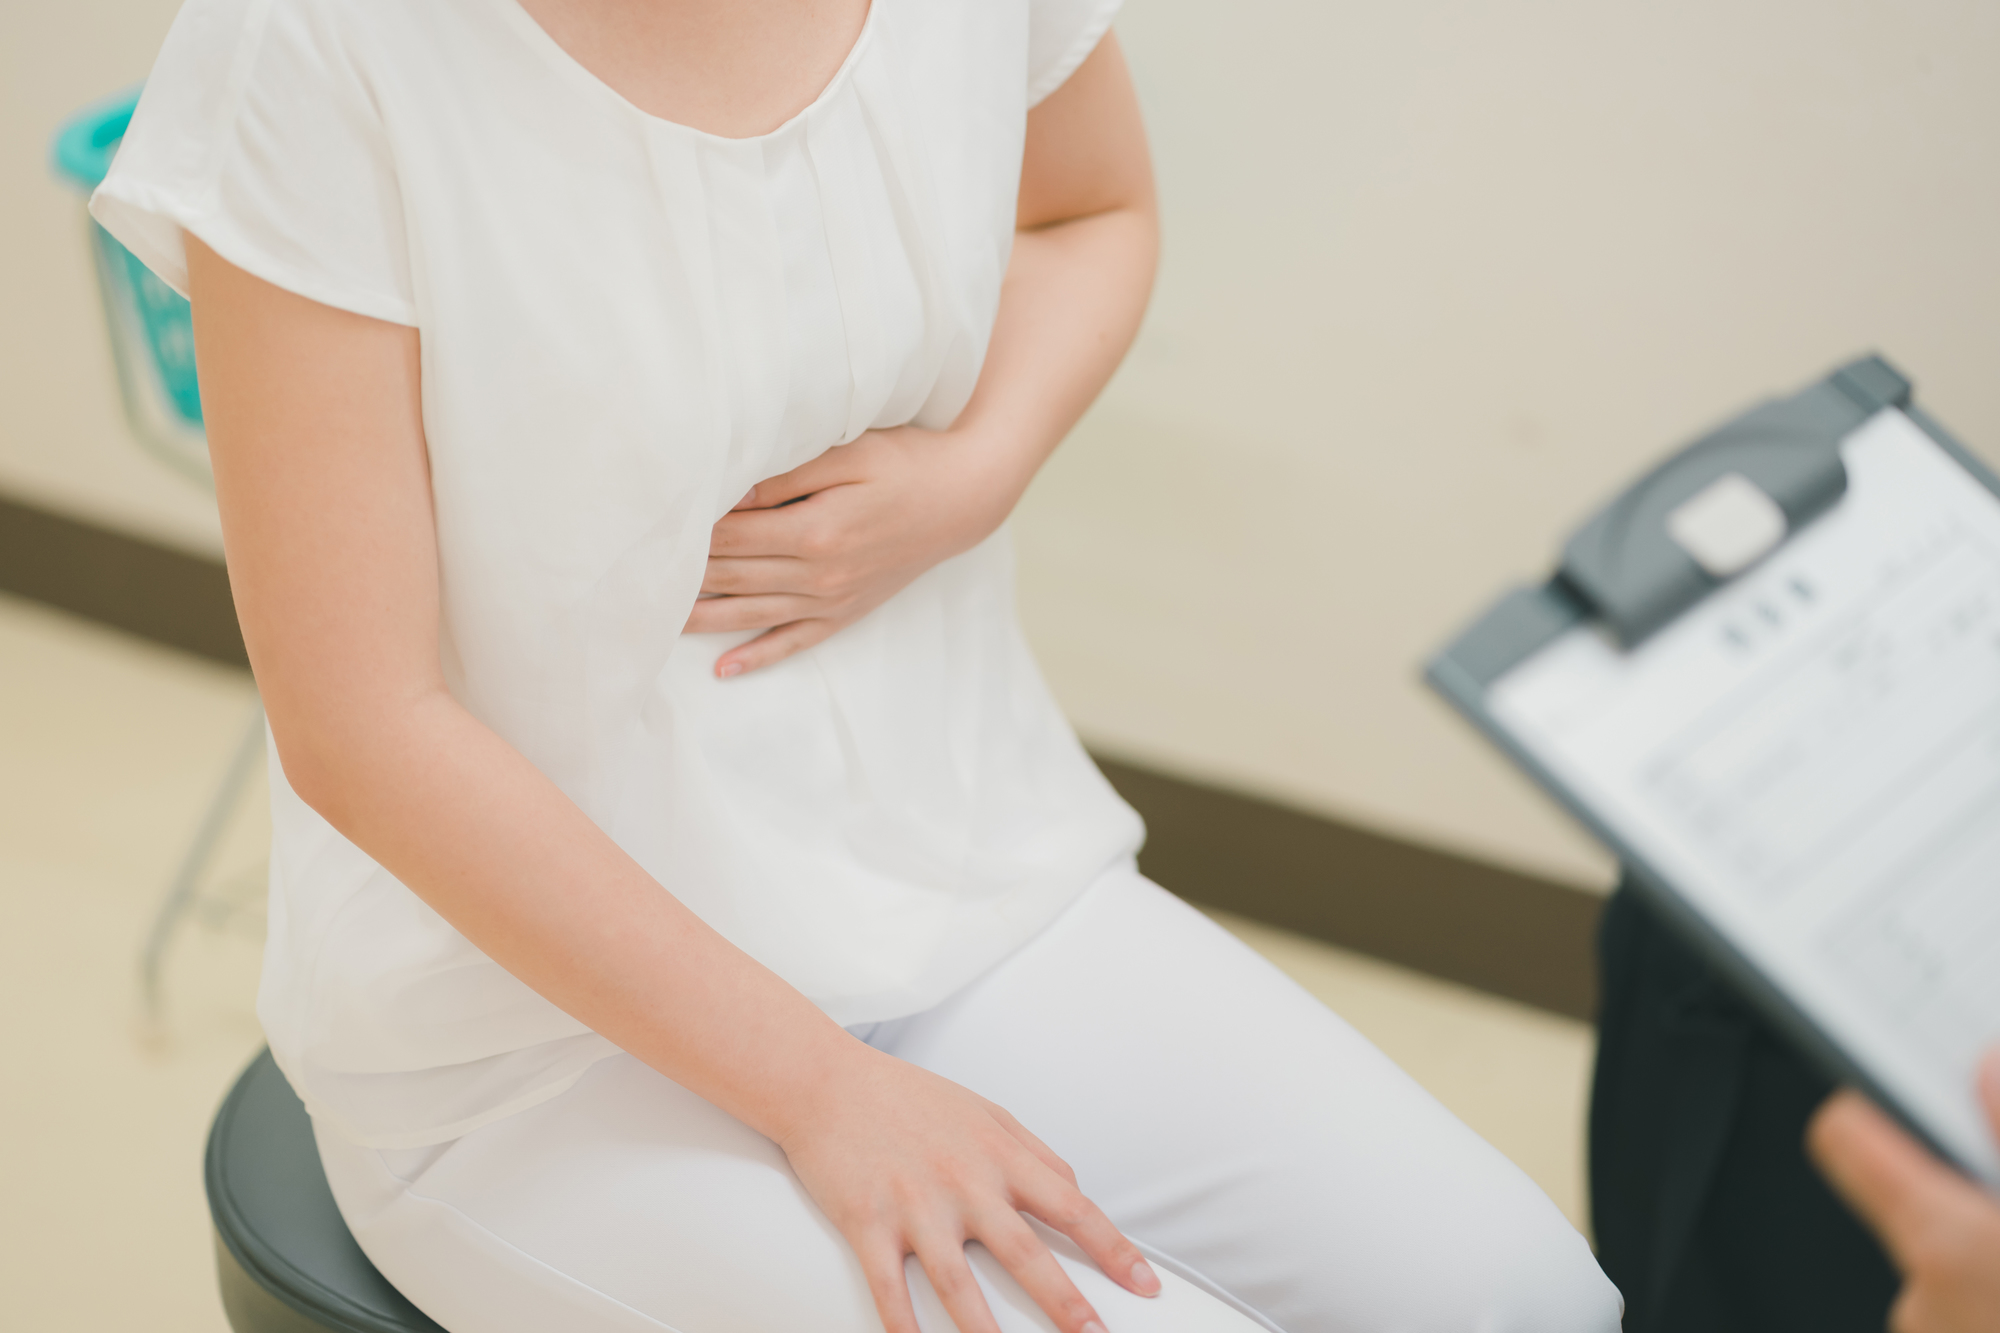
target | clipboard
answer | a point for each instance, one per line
(1767, 677)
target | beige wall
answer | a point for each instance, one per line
(1438, 275)
(62, 440)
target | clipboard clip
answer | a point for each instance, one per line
(1723, 503)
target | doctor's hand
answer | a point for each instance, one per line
(1941, 1231)
(903, 1161)
(813, 550)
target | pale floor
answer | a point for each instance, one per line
(109, 748)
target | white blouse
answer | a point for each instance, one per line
(625, 324)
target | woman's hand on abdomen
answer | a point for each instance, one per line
(813, 550)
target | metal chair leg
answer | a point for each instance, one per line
(181, 892)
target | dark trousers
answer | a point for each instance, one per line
(1708, 1216)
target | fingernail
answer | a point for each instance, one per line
(1989, 1077)
(1145, 1279)
(728, 669)
(1092, 1327)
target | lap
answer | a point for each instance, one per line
(628, 1203)
(1266, 1156)
(1250, 1139)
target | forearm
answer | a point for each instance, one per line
(476, 831)
(1074, 294)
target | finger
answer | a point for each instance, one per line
(740, 576)
(774, 646)
(1989, 1087)
(835, 467)
(882, 1265)
(1907, 1314)
(765, 532)
(951, 1278)
(1022, 1253)
(1065, 1208)
(1884, 1175)
(1033, 1144)
(723, 615)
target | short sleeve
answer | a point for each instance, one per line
(1061, 35)
(258, 132)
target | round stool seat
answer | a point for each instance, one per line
(286, 1260)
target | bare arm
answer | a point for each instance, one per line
(893, 503)
(1087, 245)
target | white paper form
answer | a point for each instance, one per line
(1811, 757)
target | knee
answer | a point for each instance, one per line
(1546, 1283)
(1500, 1257)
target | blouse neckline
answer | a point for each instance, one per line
(558, 56)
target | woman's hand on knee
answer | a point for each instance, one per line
(807, 553)
(905, 1162)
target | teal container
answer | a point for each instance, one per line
(150, 324)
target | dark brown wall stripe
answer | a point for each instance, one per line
(1463, 920)
(125, 582)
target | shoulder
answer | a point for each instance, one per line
(1061, 35)
(220, 52)
(1032, 46)
(238, 46)
(271, 63)
(259, 131)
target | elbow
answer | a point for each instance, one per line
(335, 758)
(314, 770)
(347, 759)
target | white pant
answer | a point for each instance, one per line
(1278, 1170)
